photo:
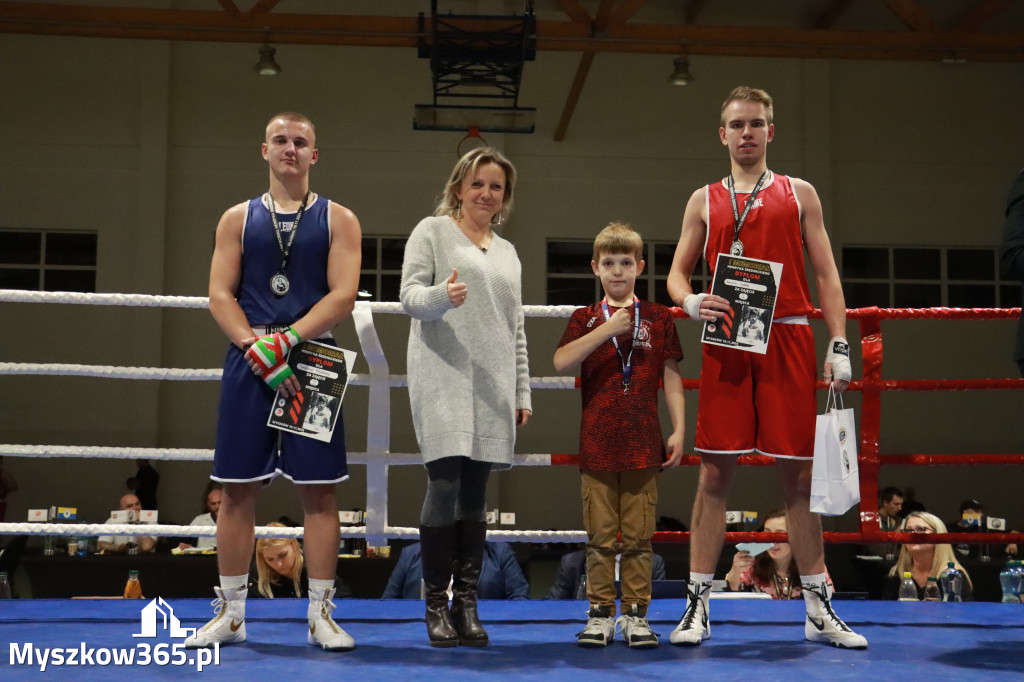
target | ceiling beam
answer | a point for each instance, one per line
(911, 14)
(559, 36)
(604, 13)
(626, 10)
(979, 14)
(575, 11)
(832, 13)
(693, 8)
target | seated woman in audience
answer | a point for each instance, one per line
(279, 570)
(923, 560)
(773, 572)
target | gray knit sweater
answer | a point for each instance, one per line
(468, 368)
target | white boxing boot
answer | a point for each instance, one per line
(323, 631)
(822, 624)
(694, 627)
(228, 626)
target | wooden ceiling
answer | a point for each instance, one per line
(975, 30)
(895, 30)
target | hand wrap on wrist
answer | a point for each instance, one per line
(691, 305)
(839, 356)
(269, 351)
(277, 374)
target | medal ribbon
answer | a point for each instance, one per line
(738, 219)
(627, 362)
(286, 249)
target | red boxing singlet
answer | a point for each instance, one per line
(771, 232)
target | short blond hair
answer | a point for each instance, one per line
(747, 94)
(618, 238)
(295, 117)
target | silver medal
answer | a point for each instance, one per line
(736, 249)
(279, 284)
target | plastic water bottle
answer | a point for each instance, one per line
(133, 588)
(931, 590)
(1009, 579)
(908, 590)
(1020, 581)
(581, 587)
(952, 582)
(5, 587)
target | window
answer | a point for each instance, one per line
(571, 281)
(380, 276)
(48, 260)
(925, 277)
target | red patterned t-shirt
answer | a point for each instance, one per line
(621, 431)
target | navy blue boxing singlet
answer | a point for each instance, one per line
(261, 258)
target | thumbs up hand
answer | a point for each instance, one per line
(456, 290)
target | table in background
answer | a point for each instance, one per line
(168, 575)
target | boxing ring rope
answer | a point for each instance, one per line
(378, 456)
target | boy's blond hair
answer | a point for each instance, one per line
(744, 93)
(618, 238)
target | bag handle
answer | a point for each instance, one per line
(834, 399)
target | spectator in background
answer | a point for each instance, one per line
(970, 509)
(889, 508)
(8, 485)
(772, 572)
(500, 578)
(118, 544)
(144, 483)
(211, 505)
(573, 566)
(910, 502)
(1011, 253)
(923, 560)
(279, 570)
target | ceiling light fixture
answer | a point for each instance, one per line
(266, 66)
(681, 73)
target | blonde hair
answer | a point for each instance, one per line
(466, 166)
(747, 94)
(267, 575)
(618, 238)
(294, 117)
(943, 552)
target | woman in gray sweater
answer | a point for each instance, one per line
(469, 380)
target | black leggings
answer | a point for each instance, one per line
(456, 491)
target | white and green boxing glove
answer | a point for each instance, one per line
(271, 350)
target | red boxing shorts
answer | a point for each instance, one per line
(764, 403)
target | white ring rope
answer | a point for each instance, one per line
(206, 455)
(164, 374)
(153, 301)
(376, 460)
(164, 530)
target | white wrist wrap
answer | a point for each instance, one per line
(691, 305)
(839, 356)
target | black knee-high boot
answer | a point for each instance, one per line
(469, 557)
(437, 551)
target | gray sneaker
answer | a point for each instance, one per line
(600, 629)
(635, 629)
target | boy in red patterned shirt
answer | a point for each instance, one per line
(624, 347)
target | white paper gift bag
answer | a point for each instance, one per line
(835, 485)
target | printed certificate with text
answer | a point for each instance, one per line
(751, 287)
(323, 371)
